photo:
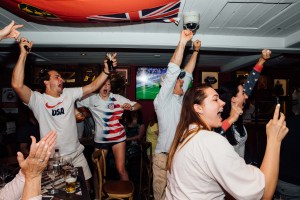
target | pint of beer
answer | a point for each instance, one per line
(70, 185)
(70, 176)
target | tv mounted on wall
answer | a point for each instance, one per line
(148, 82)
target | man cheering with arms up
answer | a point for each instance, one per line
(167, 106)
(54, 109)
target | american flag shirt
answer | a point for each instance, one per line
(107, 114)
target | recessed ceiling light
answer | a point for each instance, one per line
(156, 55)
(83, 54)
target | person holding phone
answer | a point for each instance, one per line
(203, 165)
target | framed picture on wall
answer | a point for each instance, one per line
(9, 95)
(35, 75)
(263, 83)
(280, 87)
(68, 76)
(242, 74)
(89, 73)
(70, 73)
(211, 78)
(125, 72)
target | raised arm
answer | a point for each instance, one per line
(10, 31)
(17, 81)
(190, 66)
(276, 130)
(101, 78)
(248, 88)
(255, 73)
(186, 35)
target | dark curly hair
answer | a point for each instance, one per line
(117, 82)
(226, 92)
(44, 76)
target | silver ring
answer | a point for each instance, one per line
(41, 160)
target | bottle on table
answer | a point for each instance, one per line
(56, 159)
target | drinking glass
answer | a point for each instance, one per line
(67, 162)
(52, 172)
(3, 175)
(109, 61)
(70, 176)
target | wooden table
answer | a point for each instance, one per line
(81, 189)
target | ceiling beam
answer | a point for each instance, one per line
(243, 62)
(238, 63)
(151, 41)
(292, 39)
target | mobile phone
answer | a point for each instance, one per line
(47, 197)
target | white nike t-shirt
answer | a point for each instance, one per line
(58, 114)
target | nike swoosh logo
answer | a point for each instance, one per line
(48, 106)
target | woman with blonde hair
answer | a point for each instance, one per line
(203, 165)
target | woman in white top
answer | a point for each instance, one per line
(203, 165)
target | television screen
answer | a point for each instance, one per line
(148, 82)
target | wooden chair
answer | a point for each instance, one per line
(110, 189)
(145, 170)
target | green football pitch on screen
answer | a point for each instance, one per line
(147, 92)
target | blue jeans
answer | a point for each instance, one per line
(287, 191)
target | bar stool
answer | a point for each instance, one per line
(110, 189)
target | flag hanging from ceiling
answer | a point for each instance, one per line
(91, 11)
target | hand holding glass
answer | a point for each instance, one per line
(109, 61)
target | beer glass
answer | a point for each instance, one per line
(67, 162)
(109, 61)
(70, 176)
(3, 175)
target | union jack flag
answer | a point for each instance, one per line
(167, 13)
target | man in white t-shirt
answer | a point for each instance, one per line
(54, 109)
